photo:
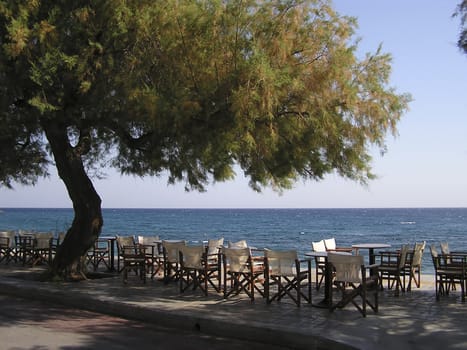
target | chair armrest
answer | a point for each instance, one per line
(372, 266)
(388, 253)
(344, 249)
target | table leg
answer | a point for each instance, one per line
(112, 254)
(371, 253)
(326, 302)
(371, 260)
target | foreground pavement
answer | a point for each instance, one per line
(414, 320)
(41, 325)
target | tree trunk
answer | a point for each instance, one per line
(87, 222)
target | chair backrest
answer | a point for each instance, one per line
(403, 255)
(282, 262)
(214, 245)
(348, 267)
(418, 254)
(318, 246)
(237, 259)
(124, 241)
(9, 238)
(132, 252)
(330, 243)
(239, 244)
(422, 245)
(148, 240)
(149, 244)
(43, 240)
(434, 256)
(172, 250)
(192, 256)
(444, 248)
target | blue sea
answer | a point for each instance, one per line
(272, 228)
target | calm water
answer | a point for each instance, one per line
(272, 228)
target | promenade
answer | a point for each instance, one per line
(414, 320)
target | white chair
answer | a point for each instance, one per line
(283, 271)
(414, 265)
(214, 262)
(195, 271)
(154, 258)
(240, 273)
(172, 260)
(352, 281)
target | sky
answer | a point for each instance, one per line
(424, 166)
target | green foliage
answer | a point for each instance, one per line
(462, 13)
(193, 88)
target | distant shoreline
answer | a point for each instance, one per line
(240, 208)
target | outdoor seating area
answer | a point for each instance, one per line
(351, 275)
(28, 248)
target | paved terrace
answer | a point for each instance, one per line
(414, 320)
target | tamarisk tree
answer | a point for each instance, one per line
(461, 11)
(189, 89)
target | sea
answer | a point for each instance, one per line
(269, 228)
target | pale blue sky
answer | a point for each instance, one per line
(425, 166)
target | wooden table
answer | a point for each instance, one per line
(371, 249)
(112, 241)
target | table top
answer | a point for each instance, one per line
(108, 237)
(371, 245)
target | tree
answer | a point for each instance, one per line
(462, 12)
(190, 89)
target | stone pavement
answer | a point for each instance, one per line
(414, 320)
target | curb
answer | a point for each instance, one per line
(174, 320)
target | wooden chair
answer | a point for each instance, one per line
(24, 247)
(449, 271)
(99, 254)
(8, 246)
(41, 252)
(171, 252)
(133, 259)
(214, 262)
(195, 271)
(320, 262)
(240, 273)
(154, 257)
(414, 264)
(352, 281)
(283, 273)
(122, 241)
(392, 268)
